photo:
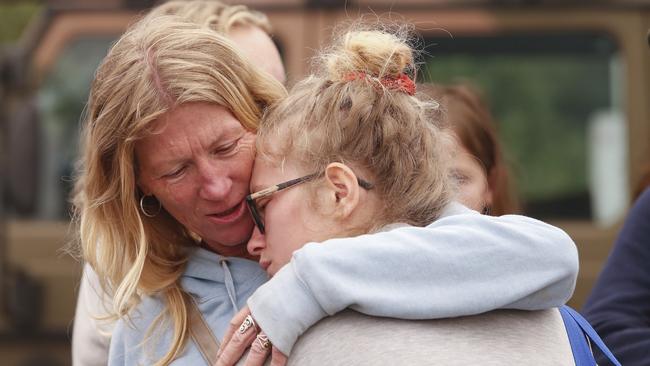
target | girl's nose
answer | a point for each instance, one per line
(256, 243)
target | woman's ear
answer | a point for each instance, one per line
(343, 187)
(142, 186)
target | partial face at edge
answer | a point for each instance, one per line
(473, 189)
(259, 48)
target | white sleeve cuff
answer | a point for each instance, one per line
(285, 308)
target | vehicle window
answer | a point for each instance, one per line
(557, 101)
(49, 124)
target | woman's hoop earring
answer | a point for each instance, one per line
(148, 214)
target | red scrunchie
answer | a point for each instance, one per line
(401, 83)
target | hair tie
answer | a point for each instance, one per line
(401, 83)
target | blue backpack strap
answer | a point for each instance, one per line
(577, 328)
(581, 353)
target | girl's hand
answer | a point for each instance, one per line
(243, 333)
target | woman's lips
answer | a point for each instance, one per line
(230, 215)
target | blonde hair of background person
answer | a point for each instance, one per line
(355, 119)
(146, 73)
(247, 28)
(213, 14)
(468, 116)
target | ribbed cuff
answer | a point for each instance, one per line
(285, 308)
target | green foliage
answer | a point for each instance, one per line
(542, 105)
(61, 99)
(14, 17)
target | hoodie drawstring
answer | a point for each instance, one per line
(230, 285)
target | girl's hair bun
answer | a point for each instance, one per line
(374, 52)
(360, 108)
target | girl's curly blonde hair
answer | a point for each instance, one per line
(368, 121)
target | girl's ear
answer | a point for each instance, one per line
(343, 189)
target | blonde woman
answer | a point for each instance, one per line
(250, 30)
(168, 153)
(164, 70)
(349, 152)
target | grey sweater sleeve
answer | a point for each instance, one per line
(462, 264)
(90, 335)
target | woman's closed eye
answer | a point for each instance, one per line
(176, 173)
(226, 149)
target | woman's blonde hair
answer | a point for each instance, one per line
(159, 63)
(357, 109)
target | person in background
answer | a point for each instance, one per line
(619, 304)
(480, 170)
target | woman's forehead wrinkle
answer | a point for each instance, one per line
(166, 154)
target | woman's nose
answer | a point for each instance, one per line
(215, 182)
(256, 243)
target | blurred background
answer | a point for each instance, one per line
(568, 82)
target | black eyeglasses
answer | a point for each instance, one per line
(254, 209)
